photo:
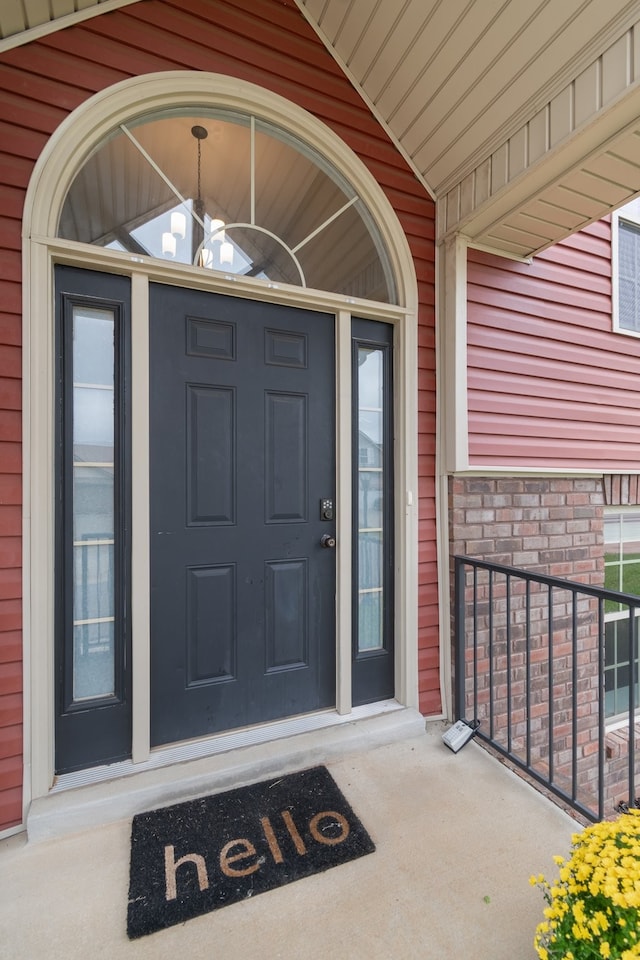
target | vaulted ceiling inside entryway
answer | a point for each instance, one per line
(522, 119)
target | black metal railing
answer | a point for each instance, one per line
(530, 668)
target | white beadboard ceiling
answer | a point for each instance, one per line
(25, 20)
(510, 112)
(521, 118)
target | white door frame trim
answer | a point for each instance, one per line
(60, 160)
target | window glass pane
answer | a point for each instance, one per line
(93, 667)
(371, 494)
(612, 572)
(622, 640)
(612, 532)
(631, 575)
(628, 275)
(228, 192)
(93, 421)
(370, 559)
(370, 621)
(93, 570)
(630, 525)
(93, 346)
(610, 642)
(93, 503)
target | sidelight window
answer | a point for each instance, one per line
(372, 505)
(93, 500)
(92, 594)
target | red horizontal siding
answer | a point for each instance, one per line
(11, 738)
(521, 387)
(11, 806)
(11, 772)
(10, 552)
(549, 383)
(10, 586)
(11, 710)
(268, 43)
(11, 673)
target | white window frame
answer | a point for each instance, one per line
(630, 213)
(615, 721)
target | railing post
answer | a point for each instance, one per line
(633, 657)
(601, 708)
(459, 638)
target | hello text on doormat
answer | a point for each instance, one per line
(195, 857)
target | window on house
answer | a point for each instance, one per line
(626, 268)
(372, 668)
(93, 510)
(228, 192)
(622, 573)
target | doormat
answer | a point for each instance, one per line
(194, 857)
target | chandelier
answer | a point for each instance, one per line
(202, 237)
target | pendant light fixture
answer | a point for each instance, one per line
(201, 254)
(197, 234)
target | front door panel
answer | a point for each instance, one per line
(241, 455)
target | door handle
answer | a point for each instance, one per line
(327, 541)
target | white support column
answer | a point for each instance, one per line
(140, 583)
(344, 513)
(452, 323)
(452, 448)
(406, 510)
(38, 527)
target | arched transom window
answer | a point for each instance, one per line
(229, 192)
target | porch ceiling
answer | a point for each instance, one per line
(24, 20)
(522, 120)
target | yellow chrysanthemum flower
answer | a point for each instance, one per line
(593, 908)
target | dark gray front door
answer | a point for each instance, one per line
(241, 457)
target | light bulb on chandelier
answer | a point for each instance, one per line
(216, 229)
(206, 258)
(178, 225)
(168, 245)
(226, 253)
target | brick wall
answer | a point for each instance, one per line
(550, 525)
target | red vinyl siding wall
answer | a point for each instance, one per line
(550, 384)
(272, 45)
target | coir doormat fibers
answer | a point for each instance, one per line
(194, 857)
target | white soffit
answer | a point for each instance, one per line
(24, 20)
(509, 112)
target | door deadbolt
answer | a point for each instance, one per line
(327, 541)
(326, 509)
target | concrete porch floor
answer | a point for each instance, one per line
(457, 837)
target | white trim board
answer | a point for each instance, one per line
(54, 172)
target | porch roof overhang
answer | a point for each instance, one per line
(521, 120)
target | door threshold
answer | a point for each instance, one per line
(89, 798)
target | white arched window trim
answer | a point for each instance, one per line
(59, 162)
